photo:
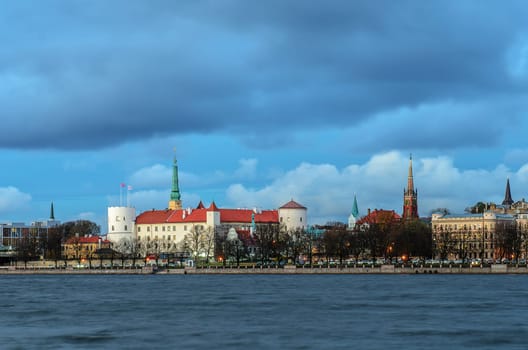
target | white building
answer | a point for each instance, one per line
(293, 216)
(121, 223)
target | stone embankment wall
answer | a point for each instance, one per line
(11, 270)
(385, 269)
(287, 270)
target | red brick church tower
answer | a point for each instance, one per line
(410, 197)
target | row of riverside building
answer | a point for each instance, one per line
(467, 235)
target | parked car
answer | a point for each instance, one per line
(476, 262)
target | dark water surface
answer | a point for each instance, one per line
(264, 312)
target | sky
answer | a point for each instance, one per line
(261, 102)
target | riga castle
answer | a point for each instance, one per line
(171, 225)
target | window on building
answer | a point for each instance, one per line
(300, 219)
(168, 228)
(163, 228)
(148, 228)
(113, 228)
(139, 228)
(126, 228)
(174, 228)
(185, 228)
(156, 228)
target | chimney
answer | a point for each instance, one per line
(368, 211)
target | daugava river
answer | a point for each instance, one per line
(264, 312)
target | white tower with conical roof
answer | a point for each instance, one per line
(354, 215)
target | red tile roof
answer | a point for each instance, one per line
(86, 240)
(379, 217)
(292, 205)
(244, 215)
(171, 216)
(200, 215)
(213, 207)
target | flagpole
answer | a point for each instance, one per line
(121, 194)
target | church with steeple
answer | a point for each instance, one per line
(354, 215)
(410, 197)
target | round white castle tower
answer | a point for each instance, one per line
(293, 215)
(121, 223)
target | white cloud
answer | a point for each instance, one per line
(247, 168)
(12, 199)
(328, 192)
(156, 175)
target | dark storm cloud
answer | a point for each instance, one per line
(90, 74)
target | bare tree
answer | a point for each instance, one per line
(27, 248)
(208, 242)
(263, 238)
(444, 244)
(194, 241)
(54, 244)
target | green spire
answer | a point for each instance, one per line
(355, 210)
(52, 212)
(175, 193)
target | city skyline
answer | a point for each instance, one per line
(263, 102)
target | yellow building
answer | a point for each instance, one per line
(471, 236)
(83, 247)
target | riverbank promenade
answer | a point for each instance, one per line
(285, 270)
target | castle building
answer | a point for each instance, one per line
(410, 197)
(167, 228)
(121, 224)
(292, 215)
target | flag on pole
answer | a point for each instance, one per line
(123, 184)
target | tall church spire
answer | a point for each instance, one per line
(355, 210)
(52, 212)
(507, 196)
(410, 181)
(410, 196)
(354, 215)
(175, 201)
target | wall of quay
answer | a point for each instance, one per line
(11, 270)
(384, 269)
(286, 270)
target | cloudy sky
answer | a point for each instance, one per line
(264, 101)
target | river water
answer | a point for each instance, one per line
(264, 312)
